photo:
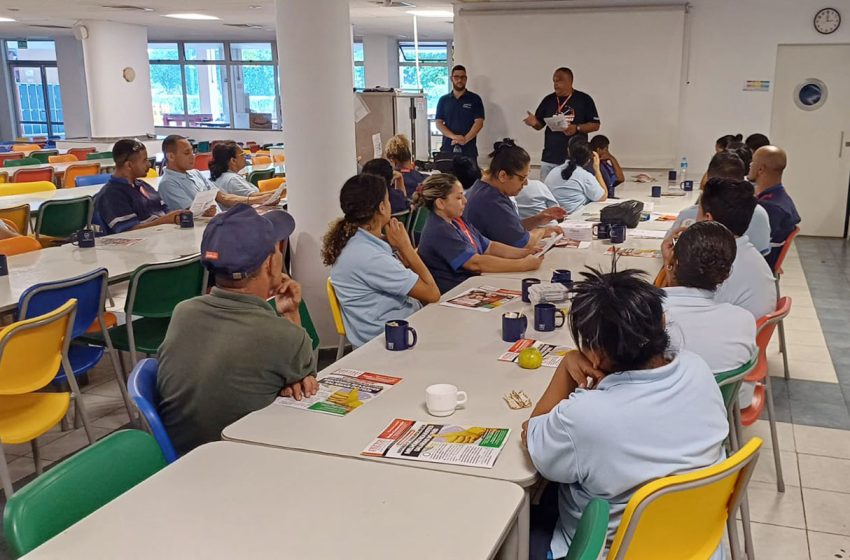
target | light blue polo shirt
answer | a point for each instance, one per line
(372, 286)
(535, 197)
(178, 190)
(758, 232)
(635, 427)
(750, 284)
(580, 189)
(234, 183)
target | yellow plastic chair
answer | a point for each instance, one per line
(18, 215)
(266, 185)
(682, 517)
(25, 148)
(4, 177)
(19, 245)
(152, 173)
(261, 160)
(64, 158)
(336, 311)
(69, 179)
(31, 352)
(7, 189)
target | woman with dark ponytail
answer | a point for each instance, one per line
(574, 186)
(372, 285)
(227, 159)
(490, 208)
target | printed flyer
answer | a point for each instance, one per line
(343, 391)
(485, 298)
(552, 354)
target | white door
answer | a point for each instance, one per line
(811, 121)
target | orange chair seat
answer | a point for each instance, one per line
(26, 417)
(752, 412)
(109, 318)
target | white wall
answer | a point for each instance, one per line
(117, 107)
(72, 77)
(380, 60)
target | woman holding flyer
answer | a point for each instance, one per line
(454, 250)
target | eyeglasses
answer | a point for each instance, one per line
(522, 177)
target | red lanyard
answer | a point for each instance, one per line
(564, 104)
(465, 230)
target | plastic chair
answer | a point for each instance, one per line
(261, 160)
(203, 147)
(79, 486)
(26, 188)
(589, 539)
(18, 215)
(43, 155)
(30, 354)
(142, 389)
(61, 218)
(683, 516)
(81, 153)
(98, 155)
(418, 224)
(279, 158)
(777, 273)
(336, 311)
(21, 162)
(64, 158)
(25, 148)
(7, 156)
(151, 173)
(92, 180)
(89, 290)
(12, 226)
(154, 291)
(403, 217)
(30, 175)
(69, 179)
(254, 177)
(202, 161)
(18, 245)
(4, 176)
(272, 184)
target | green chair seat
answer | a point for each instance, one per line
(254, 177)
(592, 529)
(148, 334)
(99, 155)
(21, 162)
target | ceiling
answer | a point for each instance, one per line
(35, 18)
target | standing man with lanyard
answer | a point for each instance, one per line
(460, 116)
(580, 115)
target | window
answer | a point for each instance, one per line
(359, 69)
(215, 84)
(38, 99)
(433, 70)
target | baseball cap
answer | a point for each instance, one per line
(237, 242)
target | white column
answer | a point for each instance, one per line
(314, 53)
(75, 98)
(118, 107)
(380, 59)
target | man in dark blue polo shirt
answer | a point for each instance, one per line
(126, 202)
(765, 173)
(460, 116)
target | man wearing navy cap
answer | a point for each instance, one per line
(229, 352)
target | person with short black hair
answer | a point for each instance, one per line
(756, 140)
(382, 168)
(460, 116)
(766, 173)
(581, 118)
(610, 168)
(466, 170)
(398, 151)
(126, 202)
(604, 443)
(723, 142)
(228, 159)
(574, 186)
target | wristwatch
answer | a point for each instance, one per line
(578, 128)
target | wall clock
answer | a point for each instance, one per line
(827, 21)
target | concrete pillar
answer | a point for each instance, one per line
(117, 107)
(314, 53)
(75, 98)
(380, 59)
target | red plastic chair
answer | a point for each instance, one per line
(5, 156)
(81, 153)
(777, 272)
(30, 175)
(202, 161)
(763, 394)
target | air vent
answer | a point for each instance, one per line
(52, 26)
(129, 8)
(394, 4)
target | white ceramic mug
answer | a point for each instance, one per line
(442, 399)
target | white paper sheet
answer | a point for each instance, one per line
(203, 200)
(377, 145)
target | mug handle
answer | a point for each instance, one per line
(524, 325)
(461, 398)
(595, 230)
(412, 331)
(563, 318)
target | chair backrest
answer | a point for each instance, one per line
(403, 217)
(418, 224)
(79, 170)
(156, 289)
(589, 539)
(254, 177)
(43, 155)
(661, 278)
(99, 155)
(684, 516)
(26, 188)
(152, 172)
(6, 156)
(26, 148)
(88, 289)
(19, 215)
(64, 158)
(92, 180)
(31, 350)
(730, 381)
(202, 161)
(22, 161)
(785, 248)
(4, 176)
(767, 324)
(29, 175)
(81, 153)
(308, 325)
(61, 218)
(261, 160)
(270, 184)
(336, 310)
(78, 486)
(203, 147)
(142, 389)
(18, 245)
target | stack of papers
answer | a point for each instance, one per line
(485, 298)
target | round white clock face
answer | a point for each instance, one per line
(827, 20)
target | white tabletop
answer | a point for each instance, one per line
(168, 239)
(59, 168)
(228, 500)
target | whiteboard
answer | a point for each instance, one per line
(628, 60)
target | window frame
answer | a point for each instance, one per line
(42, 66)
(447, 64)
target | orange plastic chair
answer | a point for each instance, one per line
(65, 158)
(12, 226)
(279, 158)
(80, 153)
(6, 156)
(31, 175)
(18, 215)
(18, 245)
(202, 161)
(272, 184)
(261, 160)
(79, 170)
(25, 148)
(777, 272)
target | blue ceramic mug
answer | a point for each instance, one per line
(562, 276)
(84, 238)
(544, 317)
(396, 333)
(514, 325)
(656, 191)
(526, 284)
(618, 233)
(687, 185)
(186, 220)
(601, 230)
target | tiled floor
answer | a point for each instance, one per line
(811, 520)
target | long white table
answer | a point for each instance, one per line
(228, 500)
(59, 168)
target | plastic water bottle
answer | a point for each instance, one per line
(683, 169)
(457, 149)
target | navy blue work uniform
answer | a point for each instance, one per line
(783, 217)
(494, 215)
(579, 106)
(459, 114)
(446, 246)
(121, 206)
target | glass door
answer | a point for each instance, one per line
(38, 100)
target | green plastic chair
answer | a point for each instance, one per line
(254, 177)
(592, 529)
(79, 486)
(307, 323)
(418, 224)
(61, 218)
(153, 293)
(43, 155)
(403, 217)
(203, 147)
(21, 162)
(99, 155)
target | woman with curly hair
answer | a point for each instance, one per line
(372, 284)
(398, 151)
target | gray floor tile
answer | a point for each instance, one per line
(820, 414)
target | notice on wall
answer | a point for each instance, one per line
(377, 146)
(360, 109)
(757, 85)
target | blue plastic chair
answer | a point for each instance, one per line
(87, 180)
(142, 389)
(90, 292)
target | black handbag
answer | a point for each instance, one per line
(626, 213)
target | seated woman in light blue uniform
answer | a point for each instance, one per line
(452, 249)
(373, 285)
(604, 442)
(227, 160)
(571, 184)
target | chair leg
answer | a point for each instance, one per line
(36, 457)
(5, 477)
(118, 368)
(109, 297)
(783, 347)
(78, 400)
(774, 437)
(732, 531)
(745, 522)
(733, 433)
(340, 349)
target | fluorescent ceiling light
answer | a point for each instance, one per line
(432, 13)
(6, 20)
(192, 16)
